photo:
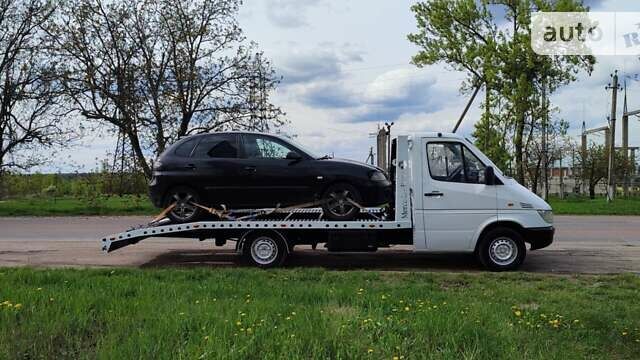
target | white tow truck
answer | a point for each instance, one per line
(449, 198)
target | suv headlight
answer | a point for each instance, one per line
(377, 176)
(546, 215)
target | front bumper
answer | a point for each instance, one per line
(539, 237)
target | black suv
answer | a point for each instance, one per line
(245, 170)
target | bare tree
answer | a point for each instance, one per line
(28, 89)
(159, 69)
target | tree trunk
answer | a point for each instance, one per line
(518, 147)
(142, 161)
(592, 191)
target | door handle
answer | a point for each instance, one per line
(190, 166)
(434, 194)
(250, 169)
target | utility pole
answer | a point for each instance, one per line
(612, 143)
(583, 154)
(545, 162)
(625, 144)
(561, 179)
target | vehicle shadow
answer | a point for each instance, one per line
(387, 260)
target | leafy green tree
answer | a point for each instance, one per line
(491, 141)
(464, 34)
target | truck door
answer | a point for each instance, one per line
(456, 200)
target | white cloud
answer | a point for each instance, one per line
(290, 13)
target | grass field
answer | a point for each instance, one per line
(131, 205)
(598, 206)
(296, 314)
(126, 205)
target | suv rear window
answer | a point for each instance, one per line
(184, 149)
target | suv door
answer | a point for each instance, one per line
(270, 178)
(215, 161)
(456, 200)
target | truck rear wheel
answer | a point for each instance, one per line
(502, 249)
(265, 249)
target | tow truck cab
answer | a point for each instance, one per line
(463, 203)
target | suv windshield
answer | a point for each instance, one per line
(301, 147)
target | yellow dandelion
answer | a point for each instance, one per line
(406, 308)
(238, 323)
(518, 313)
(624, 333)
(206, 337)
(288, 318)
(396, 358)
(39, 289)
(370, 351)
(17, 306)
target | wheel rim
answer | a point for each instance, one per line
(264, 250)
(183, 210)
(340, 202)
(503, 251)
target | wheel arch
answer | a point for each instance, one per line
(178, 185)
(243, 239)
(510, 224)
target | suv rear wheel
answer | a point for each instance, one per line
(184, 211)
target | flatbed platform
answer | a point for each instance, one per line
(298, 219)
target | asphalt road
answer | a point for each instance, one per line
(583, 244)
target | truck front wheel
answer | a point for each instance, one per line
(502, 249)
(265, 249)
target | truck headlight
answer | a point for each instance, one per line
(546, 215)
(377, 176)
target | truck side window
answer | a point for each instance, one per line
(453, 162)
(445, 162)
(473, 167)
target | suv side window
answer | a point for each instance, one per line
(454, 162)
(185, 149)
(264, 147)
(218, 146)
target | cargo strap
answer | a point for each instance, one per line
(226, 214)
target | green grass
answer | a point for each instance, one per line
(301, 314)
(598, 206)
(126, 205)
(140, 205)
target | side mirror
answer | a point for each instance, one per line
(489, 176)
(292, 155)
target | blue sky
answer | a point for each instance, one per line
(346, 69)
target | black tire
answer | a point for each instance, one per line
(265, 249)
(502, 249)
(336, 207)
(184, 212)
